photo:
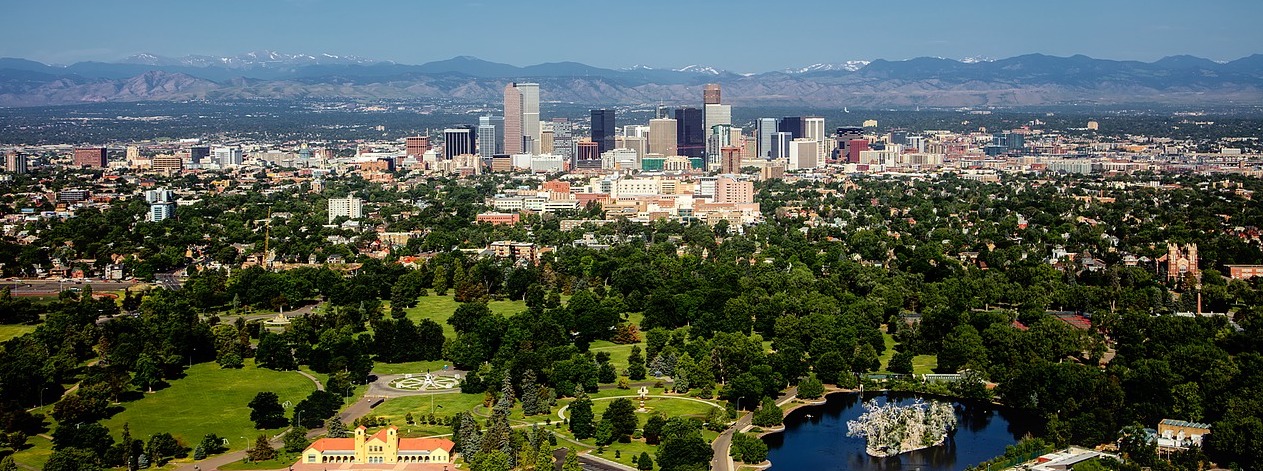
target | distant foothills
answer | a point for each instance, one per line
(1028, 80)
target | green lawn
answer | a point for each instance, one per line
(410, 367)
(670, 407)
(283, 460)
(622, 452)
(210, 400)
(10, 331)
(440, 308)
(445, 405)
(921, 364)
(618, 353)
(37, 455)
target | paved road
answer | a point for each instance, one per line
(722, 446)
(168, 280)
(52, 287)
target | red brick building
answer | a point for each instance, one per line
(90, 157)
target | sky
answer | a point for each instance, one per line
(736, 35)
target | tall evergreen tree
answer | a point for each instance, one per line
(581, 417)
(635, 364)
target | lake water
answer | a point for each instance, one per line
(820, 442)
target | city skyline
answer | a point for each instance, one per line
(1124, 30)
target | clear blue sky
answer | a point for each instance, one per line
(738, 35)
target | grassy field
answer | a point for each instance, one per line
(37, 455)
(282, 461)
(623, 452)
(921, 364)
(410, 367)
(210, 400)
(9, 331)
(670, 407)
(445, 405)
(440, 308)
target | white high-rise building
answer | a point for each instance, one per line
(779, 147)
(813, 128)
(716, 115)
(351, 207)
(490, 136)
(530, 115)
(803, 154)
(161, 204)
(226, 156)
(766, 130)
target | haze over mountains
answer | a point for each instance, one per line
(1027, 80)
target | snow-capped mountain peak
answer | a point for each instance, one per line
(976, 59)
(699, 69)
(263, 58)
(849, 66)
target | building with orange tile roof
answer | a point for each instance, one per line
(383, 447)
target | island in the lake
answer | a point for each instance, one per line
(892, 429)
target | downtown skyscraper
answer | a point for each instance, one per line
(603, 130)
(512, 119)
(521, 118)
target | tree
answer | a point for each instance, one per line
(581, 417)
(544, 457)
(748, 448)
(261, 451)
(901, 362)
(266, 411)
(296, 440)
(682, 447)
(91, 436)
(769, 414)
(7, 464)
(212, 444)
(635, 364)
(334, 428)
(745, 389)
(230, 361)
(962, 349)
(79, 408)
(494, 460)
(163, 446)
(653, 428)
(644, 463)
(531, 403)
(810, 388)
(604, 434)
(622, 416)
(318, 406)
(146, 372)
(274, 352)
(73, 459)
(865, 358)
(467, 435)
(830, 367)
(571, 462)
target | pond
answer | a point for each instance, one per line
(815, 437)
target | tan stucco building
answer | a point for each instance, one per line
(383, 447)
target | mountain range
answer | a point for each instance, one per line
(1028, 80)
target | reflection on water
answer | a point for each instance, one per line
(820, 442)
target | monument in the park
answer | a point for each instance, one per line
(892, 429)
